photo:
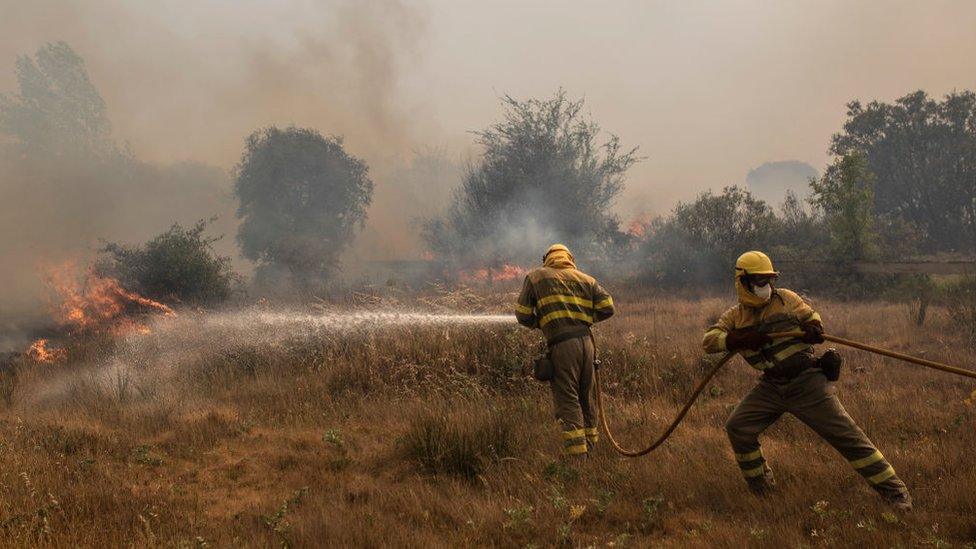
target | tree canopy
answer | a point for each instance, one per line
(58, 111)
(699, 241)
(922, 153)
(543, 177)
(301, 197)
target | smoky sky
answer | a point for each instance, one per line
(707, 90)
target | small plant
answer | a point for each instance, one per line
(603, 501)
(651, 505)
(651, 508)
(518, 516)
(277, 523)
(557, 499)
(866, 524)
(460, 446)
(820, 508)
(143, 454)
(565, 532)
(620, 541)
(560, 472)
(333, 437)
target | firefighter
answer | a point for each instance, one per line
(792, 380)
(564, 302)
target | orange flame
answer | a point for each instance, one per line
(637, 227)
(506, 272)
(98, 303)
(40, 352)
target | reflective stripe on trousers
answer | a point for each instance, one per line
(572, 393)
(813, 400)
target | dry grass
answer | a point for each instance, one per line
(432, 435)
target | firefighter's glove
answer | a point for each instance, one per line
(812, 333)
(746, 338)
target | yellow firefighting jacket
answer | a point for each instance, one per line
(561, 300)
(785, 311)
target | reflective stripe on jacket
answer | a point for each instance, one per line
(785, 311)
(562, 301)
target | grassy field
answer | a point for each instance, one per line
(270, 430)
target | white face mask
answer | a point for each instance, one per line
(763, 292)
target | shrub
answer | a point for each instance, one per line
(179, 265)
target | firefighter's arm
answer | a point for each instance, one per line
(525, 306)
(602, 303)
(810, 321)
(714, 340)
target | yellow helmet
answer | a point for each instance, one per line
(754, 263)
(557, 248)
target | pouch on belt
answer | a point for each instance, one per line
(543, 370)
(830, 363)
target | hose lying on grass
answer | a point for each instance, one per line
(722, 362)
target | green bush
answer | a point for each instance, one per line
(178, 265)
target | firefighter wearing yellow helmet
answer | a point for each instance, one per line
(564, 302)
(792, 380)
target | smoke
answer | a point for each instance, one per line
(187, 81)
(190, 80)
(772, 180)
(406, 192)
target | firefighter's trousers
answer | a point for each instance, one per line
(813, 400)
(573, 393)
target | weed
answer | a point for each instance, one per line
(603, 501)
(277, 522)
(561, 472)
(143, 454)
(650, 506)
(333, 437)
(557, 499)
(462, 446)
(518, 516)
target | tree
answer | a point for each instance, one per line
(542, 178)
(845, 194)
(57, 112)
(699, 241)
(178, 265)
(799, 232)
(301, 197)
(923, 153)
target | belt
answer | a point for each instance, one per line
(789, 369)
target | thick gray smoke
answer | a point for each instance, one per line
(77, 172)
(772, 180)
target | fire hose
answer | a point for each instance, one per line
(724, 360)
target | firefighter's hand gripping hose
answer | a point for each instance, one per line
(724, 360)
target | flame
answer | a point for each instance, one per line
(40, 352)
(98, 303)
(488, 274)
(637, 227)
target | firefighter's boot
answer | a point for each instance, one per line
(763, 484)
